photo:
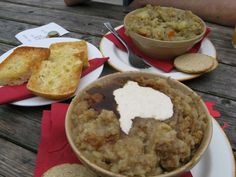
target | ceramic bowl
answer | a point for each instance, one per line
(177, 85)
(161, 49)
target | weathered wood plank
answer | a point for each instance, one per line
(225, 106)
(4, 48)
(21, 125)
(15, 161)
(116, 2)
(228, 115)
(234, 155)
(221, 37)
(10, 28)
(219, 82)
(92, 8)
(73, 22)
(225, 52)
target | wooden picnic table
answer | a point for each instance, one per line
(20, 126)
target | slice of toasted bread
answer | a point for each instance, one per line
(56, 79)
(78, 48)
(17, 67)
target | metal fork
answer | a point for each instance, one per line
(134, 60)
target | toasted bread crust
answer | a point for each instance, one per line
(79, 48)
(58, 77)
(18, 66)
(55, 81)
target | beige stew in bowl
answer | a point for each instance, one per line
(151, 146)
(164, 23)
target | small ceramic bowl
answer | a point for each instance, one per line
(158, 48)
(132, 75)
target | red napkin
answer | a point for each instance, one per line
(214, 113)
(53, 148)
(187, 174)
(9, 94)
(12, 93)
(165, 65)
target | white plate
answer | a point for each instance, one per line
(218, 161)
(119, 59)
(93, 52)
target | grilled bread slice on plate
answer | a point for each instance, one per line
(64, 49)
(17, 67)
(57, 77)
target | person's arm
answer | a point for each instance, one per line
(216, 11)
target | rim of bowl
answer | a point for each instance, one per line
(196, 157)
(198, 37)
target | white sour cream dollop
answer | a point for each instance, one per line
(144, 102)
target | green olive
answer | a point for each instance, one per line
(53, 34)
